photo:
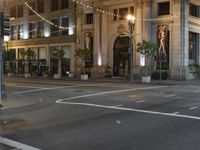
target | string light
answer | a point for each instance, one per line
(103, 11)
(46, 20)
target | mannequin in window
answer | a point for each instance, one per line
(162, 37)
(87, 40)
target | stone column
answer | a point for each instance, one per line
(179, 42)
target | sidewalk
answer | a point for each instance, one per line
(13, 101)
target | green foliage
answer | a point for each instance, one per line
(83, 53)
(193, 66)
(30, 55)
(147, 47)
(57, 53)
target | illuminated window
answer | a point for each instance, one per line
(65, 23)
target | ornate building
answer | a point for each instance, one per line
(101, 26)
(41, 26)
(172, 24)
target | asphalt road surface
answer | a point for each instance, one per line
(101, 116)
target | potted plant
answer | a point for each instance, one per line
(58, 54)
(83, 54)
(45, 71)
(148, 49)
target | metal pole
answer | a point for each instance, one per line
(1, 70)
(131, 26)
(160, 68)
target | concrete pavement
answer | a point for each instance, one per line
(16, 101)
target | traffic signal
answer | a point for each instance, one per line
(5, 25)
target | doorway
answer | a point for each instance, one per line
(120, 56)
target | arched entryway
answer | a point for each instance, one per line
(120, 56)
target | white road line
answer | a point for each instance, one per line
(51, 88)
(192, 108)
(109, 92)
(16, 145)
(175, 113)
(142, 101)
(133, 110)
(37, 90)
(118, 105)
(171, 95)
(196, 91)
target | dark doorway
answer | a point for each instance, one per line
(120, 56)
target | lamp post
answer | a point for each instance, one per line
(131, 25)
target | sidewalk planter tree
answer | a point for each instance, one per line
(59, 55)
(83, 54)
(29, 56)
(148, 49)
(10, 59)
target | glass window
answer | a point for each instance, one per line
(115, 14)
(20, 11)
(164, 8)
(40, 6)
(67, 51)
(13, 32)
(89, 18)
(42, 53)
(20, 53)
(13, 11)
(40, 29)
(193, 47)
(65, 23)
(54, 30)
(194, 10)
(123, 12)
(32, 30)
(54, 5)
(20, 31)
(33, 6)
(64, 4)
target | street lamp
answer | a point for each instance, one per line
(131, 25)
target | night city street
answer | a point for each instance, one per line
(67, 115)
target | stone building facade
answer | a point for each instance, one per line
(41, 33)
(101, 26)
(110, 33)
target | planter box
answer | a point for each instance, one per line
(27, 75)
(10, 74)
(146, 79)
(57, 76)
(84, 77)
(71, 75)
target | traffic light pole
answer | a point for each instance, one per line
(1, 71)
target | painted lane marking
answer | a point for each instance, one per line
(109, 92)
(134, 110)
(175, 113)
(51, 88)
(16, 145)
(142, 101)
(196, 91)
(192, 108)
(171, 95)
(37, 90)
(120, 105)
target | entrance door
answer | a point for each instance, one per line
(120, 56)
